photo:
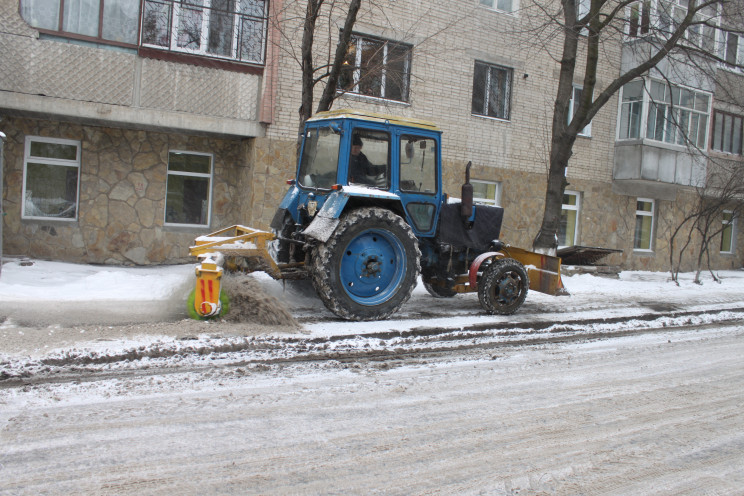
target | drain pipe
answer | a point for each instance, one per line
(2, 214)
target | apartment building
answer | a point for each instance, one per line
(136, 126)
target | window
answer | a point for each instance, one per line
(573, 105)
(492, 90)
(502, 5)
(486, 192)
(631, 111)
(50, 179)
(675, 115)
(701, 31)
(569, 230)
(671, 13)
(319, 159)
(644, 226)
(377, 68)
(727, 234)
(418, 164)
(105, 20)
(369, 162)
(230, 29)
(639, 18)
(732, 49)
(727, 133)
(582, 9)
(188, 188)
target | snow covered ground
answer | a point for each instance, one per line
(53, 295)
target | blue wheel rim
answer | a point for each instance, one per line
(373, 266)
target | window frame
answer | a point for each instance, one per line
(641, 11)
(514, 6)
(729, 225)
(577, 209)
(496, 200)
(724, 44)
(357, 40)
(669, 107)
(508, 90)
(59, 30)
(644, 213)
(54, 162)
(401, 163)
(586, 132)
(174, 8)
(210, 187)
(734, 119)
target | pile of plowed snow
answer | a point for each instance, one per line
(249, 302)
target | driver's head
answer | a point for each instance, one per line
(356, 145)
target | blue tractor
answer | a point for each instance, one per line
(365, 216)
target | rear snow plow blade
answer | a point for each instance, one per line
(544, 271)
(235, 248)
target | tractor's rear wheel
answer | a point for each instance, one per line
(503, 287)
(368, 267)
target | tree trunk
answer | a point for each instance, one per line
(329, 92)
(562, 138)
(308, 70)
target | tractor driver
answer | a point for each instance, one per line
(360, 168)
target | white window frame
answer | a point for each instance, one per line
(724, 49)
(647, 104)
(509, 89)
(587, 131)
(51, 161)
(644, 213)
(577, 209)
(643, 9)
(493, 5)
(731, 223)
(209, 177)
(496, 200)
(174, 24)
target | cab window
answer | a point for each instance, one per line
(418, 164)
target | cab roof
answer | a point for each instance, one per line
(374, 117)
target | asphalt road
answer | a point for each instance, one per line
(640, 413)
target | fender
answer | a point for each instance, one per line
(327, 218)
(473, 272)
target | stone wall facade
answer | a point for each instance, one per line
(123, 174)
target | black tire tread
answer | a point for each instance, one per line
(340, 304)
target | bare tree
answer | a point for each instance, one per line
(723, 193)
(683, 35)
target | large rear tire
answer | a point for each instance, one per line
(368, 267)
(503, 287)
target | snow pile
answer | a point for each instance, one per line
(249, 302)
(41, 280)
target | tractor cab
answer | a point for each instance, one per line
(357, 159)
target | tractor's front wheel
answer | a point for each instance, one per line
(503, 287)
(368, 267)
